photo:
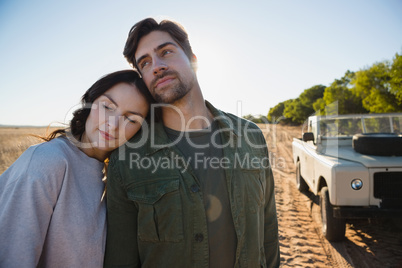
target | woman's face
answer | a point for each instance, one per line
(114, 118)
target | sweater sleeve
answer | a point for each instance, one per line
(28, 194)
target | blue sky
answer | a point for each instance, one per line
(251, 54)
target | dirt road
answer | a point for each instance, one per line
(368, 243)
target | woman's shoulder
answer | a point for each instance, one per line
(40, 162)
(62, 153)
(54, 151)
(51, 155)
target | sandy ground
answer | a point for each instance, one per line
(375, 243)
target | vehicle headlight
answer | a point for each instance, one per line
(357, 184)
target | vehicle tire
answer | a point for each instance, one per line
(381, 144)
(332, 228)
(300, 182)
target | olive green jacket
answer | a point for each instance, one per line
(156, 215)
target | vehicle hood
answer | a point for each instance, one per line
(370, 161)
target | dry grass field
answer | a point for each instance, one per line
(15, 140)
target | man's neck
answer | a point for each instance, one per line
(188, 114)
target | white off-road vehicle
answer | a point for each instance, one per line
(354, 164)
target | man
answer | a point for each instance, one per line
(196, 189)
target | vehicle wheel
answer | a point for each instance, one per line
(332, 228)
(300, 182)
(382, 144)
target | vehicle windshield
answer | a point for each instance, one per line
(347, 126)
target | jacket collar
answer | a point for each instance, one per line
(158, 139)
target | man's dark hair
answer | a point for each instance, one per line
(146, 26)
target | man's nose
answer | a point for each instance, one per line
(159, 66)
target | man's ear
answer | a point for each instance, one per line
(194, 62)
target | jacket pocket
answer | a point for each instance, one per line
(159, 209)
(254, 181)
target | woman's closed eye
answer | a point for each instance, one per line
(109, 106)
(132, 118)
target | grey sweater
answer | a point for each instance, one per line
(51, 214)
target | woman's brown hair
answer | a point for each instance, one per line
(80, 116)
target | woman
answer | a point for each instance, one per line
(51, 208)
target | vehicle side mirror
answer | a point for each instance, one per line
(308, 136)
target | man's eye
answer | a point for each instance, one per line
(144, 63)
(166, 52)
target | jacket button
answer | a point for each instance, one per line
(194, 188)
(199, 237)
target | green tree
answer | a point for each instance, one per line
(275, 114)
(319, 105)
(295, 111)
(377, 89)
(396, 77)
(373, 85)
(298, 110)
(311, 95)
(260, 119)
(341, 92)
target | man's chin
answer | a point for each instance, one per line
(177, 95)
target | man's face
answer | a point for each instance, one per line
(164, 66)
